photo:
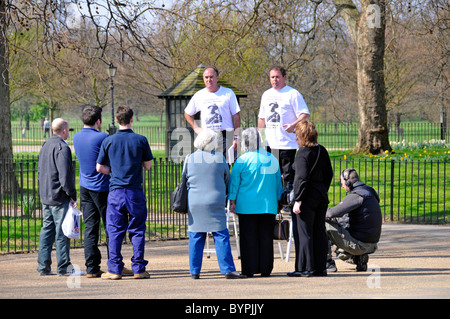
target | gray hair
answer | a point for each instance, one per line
(251, 140)
(206, 140)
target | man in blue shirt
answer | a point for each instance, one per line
(94, 186)
(126, 152)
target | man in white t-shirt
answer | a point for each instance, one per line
(282, 107)
(219, 109)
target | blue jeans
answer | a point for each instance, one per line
(223, 251)
(126, 210)
(51, 232)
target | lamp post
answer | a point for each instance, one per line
(111, 73)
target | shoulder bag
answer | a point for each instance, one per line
(180, 194)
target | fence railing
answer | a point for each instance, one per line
(332, 135)
(32, 139)
(410, 192)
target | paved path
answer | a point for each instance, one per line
(413, 261)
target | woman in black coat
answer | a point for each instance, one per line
(313, 175)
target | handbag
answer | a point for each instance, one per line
(71, 223)
(180, 194)
(281, 229)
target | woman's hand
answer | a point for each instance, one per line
(296, 208)
(233, 206)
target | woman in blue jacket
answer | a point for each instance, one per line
(207, 179)
(255, 188)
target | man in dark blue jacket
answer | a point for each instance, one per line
(354, 225)
(122, 156)
(57, 192)
(94, 186)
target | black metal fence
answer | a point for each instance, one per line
(410, 192)
(332, 135)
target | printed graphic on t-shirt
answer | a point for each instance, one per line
(274, 116)
(213, 119)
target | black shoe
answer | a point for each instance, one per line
(234, 275)
(361, 262)
(294, 274)
(318, 273)
(306, 273)
(265, 275)
(196, 276)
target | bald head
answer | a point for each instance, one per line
(60, 127)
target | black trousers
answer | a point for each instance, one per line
(310, 237)
(286, 160)
(94, 211)
(256, 243)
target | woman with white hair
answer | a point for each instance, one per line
(254, 192)
(207, 180)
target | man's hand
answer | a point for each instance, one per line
(289, 127)
(74, 203)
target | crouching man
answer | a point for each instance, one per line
(354, 225)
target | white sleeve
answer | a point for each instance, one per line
(192, 107)
(262, 112)
(299, 104)
(234, 105)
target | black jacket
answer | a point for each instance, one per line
(360, 213)
(312, 185)
(55, 173)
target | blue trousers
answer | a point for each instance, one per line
(223, 251)
(126, 210)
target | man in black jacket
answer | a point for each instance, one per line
(354, 225)
(57, 191)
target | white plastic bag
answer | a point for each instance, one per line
(71, 223)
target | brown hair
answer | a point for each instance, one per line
(91, 114)
(278, 68)
(124, 114)
(306, 133)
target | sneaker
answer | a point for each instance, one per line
(108, 275)
(331, 266)
(142, 275)
(45, 273)
(361, 262)
(96, 275)
(127, 272)
(74, 272)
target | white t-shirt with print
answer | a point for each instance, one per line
(216, 108)
(280, 107)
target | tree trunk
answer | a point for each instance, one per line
(367, 30)
(5, 110)
(8, 182)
